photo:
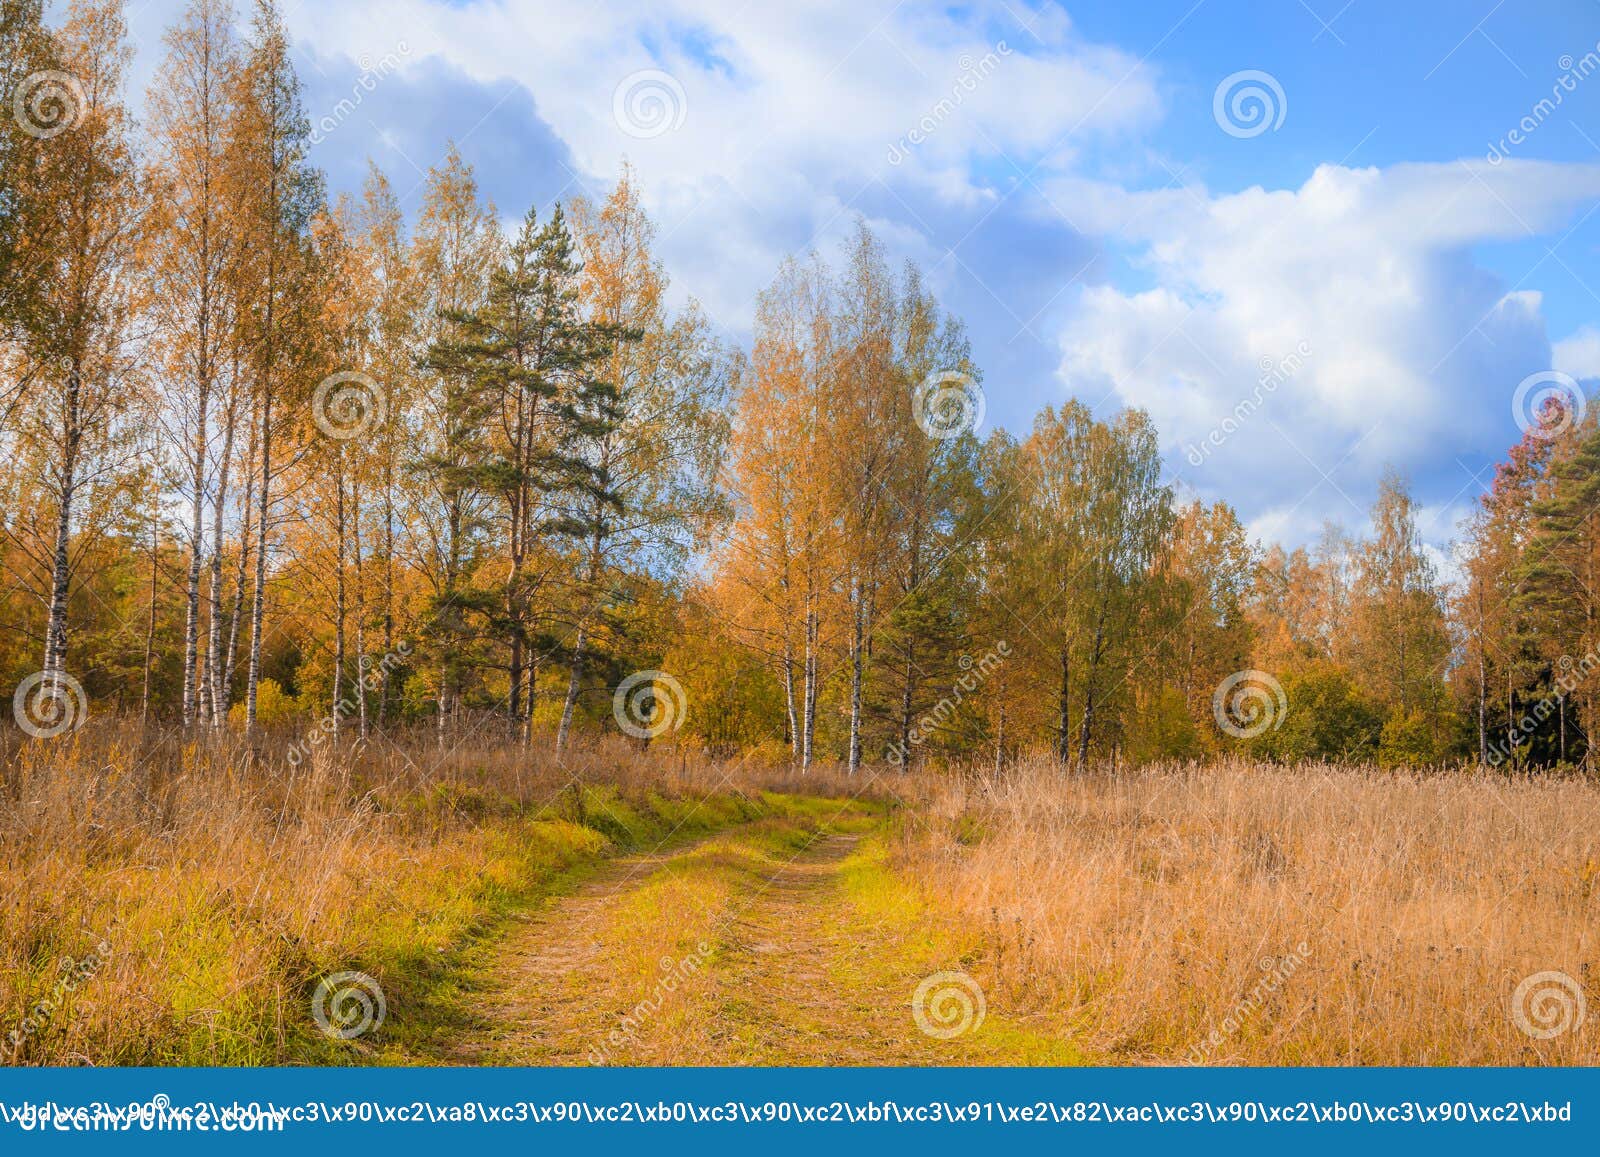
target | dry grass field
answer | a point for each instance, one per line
(175, 903)
(192, 895)
(1304, 915)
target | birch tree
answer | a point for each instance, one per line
(80, 341)
(271, 132)
(195, 230)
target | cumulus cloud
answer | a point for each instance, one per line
(1578, 354)
(1408, 344)
(784, 118)
(970, 136)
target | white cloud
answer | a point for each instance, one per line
(1578, 354)
(1411, 345)
(790, 111)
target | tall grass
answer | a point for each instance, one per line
(1239, 913)
(168, 900)
(172, 900)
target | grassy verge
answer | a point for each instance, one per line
(1014, 1029)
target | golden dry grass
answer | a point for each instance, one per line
(1152, 915)
(225, 881)
(1153, 908)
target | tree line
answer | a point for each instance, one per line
(272, 456)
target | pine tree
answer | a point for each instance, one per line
(644, 431)
(1556, 573)
(458, 244)
(532, 358)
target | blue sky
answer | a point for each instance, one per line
(1076, 197)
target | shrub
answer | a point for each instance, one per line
(1327, 718)
(273, 705)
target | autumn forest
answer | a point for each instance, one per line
(273, 458)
